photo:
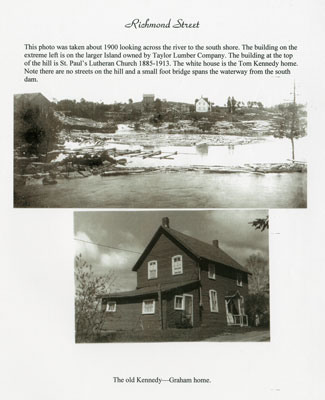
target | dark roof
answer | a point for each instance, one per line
(205, 250)
(149, 290)
(204, 98)
(29, 96)
(196, 247)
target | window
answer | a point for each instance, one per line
(152, 270)
(239, 279)
(213, 301)
(148, 307)
(212, 271)
(111, 306)
(177, 265)
(179, 303)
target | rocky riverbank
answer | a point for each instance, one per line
(80, 154)
(37, 173)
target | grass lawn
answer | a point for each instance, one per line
(187, 335)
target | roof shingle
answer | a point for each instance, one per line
(149, 290)
(205, 250)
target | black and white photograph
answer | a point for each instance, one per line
(188, 276)
(221, 151)
(162, 200)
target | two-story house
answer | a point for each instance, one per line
(181, 282)
(203, 105)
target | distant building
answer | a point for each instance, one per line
(148, 98)
(148, 102)
(33, 100)
(203, 105)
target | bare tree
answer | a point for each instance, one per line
(259, 280)
(89, 313)
(291, 122)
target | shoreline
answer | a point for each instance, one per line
(54, 177)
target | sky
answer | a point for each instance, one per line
(132, 230)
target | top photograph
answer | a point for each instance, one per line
(155, 152)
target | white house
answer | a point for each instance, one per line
(202, 105)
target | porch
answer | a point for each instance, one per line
(235, 310)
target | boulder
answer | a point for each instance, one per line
(85, 174)
(106, 157)
(32, 181)
(49, 181)
(30, 169)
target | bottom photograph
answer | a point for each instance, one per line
(167, 276)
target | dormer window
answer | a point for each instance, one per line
(152, 269)
(239, 279)
(177, 265)
(212, 271)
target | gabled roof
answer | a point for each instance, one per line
(195, 247)
(29, 96)
(149, 290)
(203, 98)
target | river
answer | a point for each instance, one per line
(183, 189)
(262, 150)
(171, 190)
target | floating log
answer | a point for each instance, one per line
(127, 152)
(114, 173)
(142, 153)
(168, 155)
(154, 153)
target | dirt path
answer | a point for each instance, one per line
(254, 336)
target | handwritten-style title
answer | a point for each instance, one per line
(180, 23)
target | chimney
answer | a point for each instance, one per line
(165, 222)
(215, 243)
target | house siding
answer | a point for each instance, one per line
(224, 284)
(163, 251)
(128, 316)
(202, 106)
(174, 317)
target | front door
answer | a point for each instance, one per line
(188, 308)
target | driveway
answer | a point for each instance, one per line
(252, 336)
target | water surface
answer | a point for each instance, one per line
(171, 190)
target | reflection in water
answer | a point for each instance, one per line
(202, 149)
(231, 149)
(171, 190)
(268, 151)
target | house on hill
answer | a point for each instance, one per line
(203, 105)
(181, 282)
(33, 100)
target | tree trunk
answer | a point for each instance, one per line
(293, 149)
